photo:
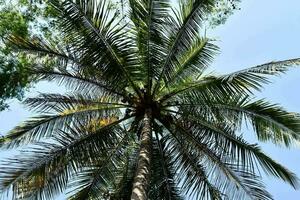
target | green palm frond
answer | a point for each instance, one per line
(247, 155)
(65, 65)
(55, 163)
(270, 121)
(241, 82)
(79, 81)
(46, 125)
(126, 172)
(148, 17)
(185, 27)
(191, 174)
(234, 178)
(194, 61)
(95, 26)
(40, 47)
(164, 185)
(109, 177)
(96, 178)
(254, 76)
(47, 174)
(60, 103)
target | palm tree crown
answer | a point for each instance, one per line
(143, 119)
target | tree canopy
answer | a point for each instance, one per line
(29, 18)
(142, 118)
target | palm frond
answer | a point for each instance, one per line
(234, 178)
(100, 178)
(163, 173)
(126, 172)
(43, 177)
(183, 32)
(191, 174)
(269, 121)
(93, 181)
(194, 61)
(58, 103)
(95, 26)
(254, 76)
(65, 65)
(241, 82)
(40, 47)
(78, 81)
(148, 18)
(188, 169)
(244, 154)
(56, 162)
(46, 125)
(272, 123)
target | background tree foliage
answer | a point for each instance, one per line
(36, 19)
(25, 19)
(13, 75)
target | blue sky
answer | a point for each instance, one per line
(260, 32)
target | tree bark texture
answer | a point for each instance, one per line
(142, 176)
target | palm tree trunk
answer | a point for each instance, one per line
(142, 176)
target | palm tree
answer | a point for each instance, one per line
(143, 119)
